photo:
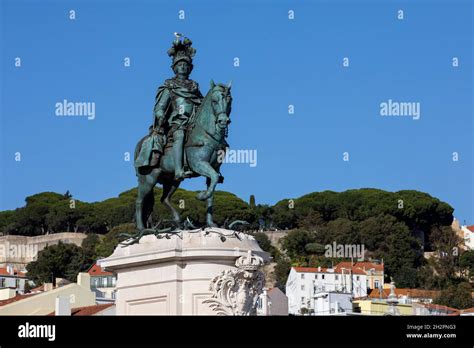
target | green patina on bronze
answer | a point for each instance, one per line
(185, 139)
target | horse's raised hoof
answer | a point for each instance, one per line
(202, 196)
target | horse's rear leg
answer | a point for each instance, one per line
(144, 205)
(205, 169)
(209, 211)
(148, 203)
(169, 188)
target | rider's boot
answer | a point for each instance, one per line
(178, 140)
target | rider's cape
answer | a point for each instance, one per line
(154, 141)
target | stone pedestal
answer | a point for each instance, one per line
(200, 272)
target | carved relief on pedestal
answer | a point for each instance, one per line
(235, 291)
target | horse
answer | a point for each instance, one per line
(204, 146)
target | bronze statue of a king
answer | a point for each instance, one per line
(176, 102)
(186, 139)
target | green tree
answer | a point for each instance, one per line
(294, 243)
(400, 256)
(263, 217)
(374, 231)
(111, 240)
(89, 246)
(311, 221)
(456, 296)
(58, 261)
(252, 201)
(445, 241)
(466, 262)
(282, 270)
(315, 248)
(263, 241)
(341, 231)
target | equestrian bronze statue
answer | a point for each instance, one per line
(186, 139)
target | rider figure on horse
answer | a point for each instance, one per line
(176, 102)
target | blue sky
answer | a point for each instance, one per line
(282, 62)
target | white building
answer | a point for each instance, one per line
(103, 284)
(304, 283)
(43, 302)
(468, 234)
(272, 302)
(13, 279)
(332, 303)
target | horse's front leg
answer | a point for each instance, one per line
(205, 169)
(199, 162)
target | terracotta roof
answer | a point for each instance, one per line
(470, 228)
(412, 293)
(326, 270)
(16, 273)
(15, 299)
(442, 308)
(88, 310)
(38, 289)
(273, 289)
(468, 310)
(365, 266)
(96, 270)
(308, 269)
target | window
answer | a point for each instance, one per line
(315, 276)
(376, 284)
(322, 276)
(302, 287)
(302, 276)
(17, 283)
(357, 278)
(302, 300)
(2, 282)
(337, 277)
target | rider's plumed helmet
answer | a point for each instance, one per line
(182, 50)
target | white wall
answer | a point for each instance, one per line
(10, 282)
(302, 287)
(330, 303)
(468, 237)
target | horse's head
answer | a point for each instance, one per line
(221, 104)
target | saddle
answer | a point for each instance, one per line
(168, 144)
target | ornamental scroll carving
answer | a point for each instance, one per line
(236, 291)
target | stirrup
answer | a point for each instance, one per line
(184, 175)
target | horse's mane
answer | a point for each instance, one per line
(204, 108)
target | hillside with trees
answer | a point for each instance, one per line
(396, 227)
(50, 212)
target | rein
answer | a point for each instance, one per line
(196, 123)
(206, 131)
